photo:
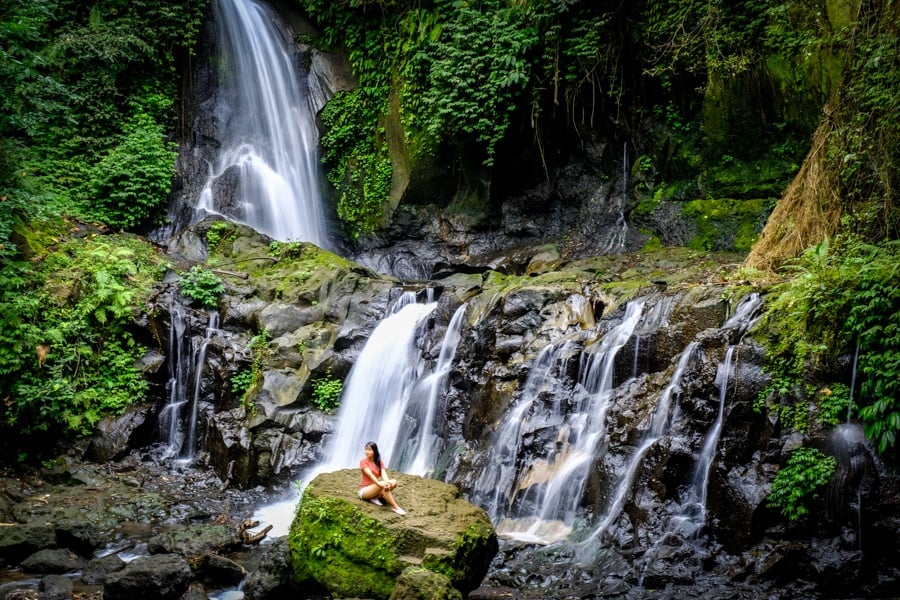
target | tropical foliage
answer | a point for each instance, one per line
(838, 304)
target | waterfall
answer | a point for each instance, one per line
(269, 138)
(660, 420)
(690, 517)
(374, 403)
(425, 444)
(377, 390)
(177, 430)
(554, 483)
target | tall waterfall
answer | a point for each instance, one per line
(553, 483)
(268, 134)
(378, 389)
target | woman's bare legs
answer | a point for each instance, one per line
(373, 491)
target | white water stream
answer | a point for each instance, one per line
(537, 502)
(388, 398)
(269, 138)
(178, 418)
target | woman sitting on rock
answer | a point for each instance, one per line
(375, 483)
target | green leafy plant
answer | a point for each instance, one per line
(67, 357)
(243, 382)
(837, 303)
(132, 181)
(216, 233)
(800, 481)
(286, 249)
(202, 285)
(326, 392)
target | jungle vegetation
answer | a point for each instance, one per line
(796, 102)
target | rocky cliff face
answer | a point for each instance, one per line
(681, 391)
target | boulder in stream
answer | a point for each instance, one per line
(357, 549)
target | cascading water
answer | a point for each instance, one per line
(552, 484)
(660, 420)
(690, 517)
(377, 397)
(378, 388)
(178, 418)
(269, 138)
(423, 442)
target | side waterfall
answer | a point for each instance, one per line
(690, 517)
(178, 418)
(269, 137)
(553, 483)
(660, 420)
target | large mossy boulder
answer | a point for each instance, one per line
(357, 549)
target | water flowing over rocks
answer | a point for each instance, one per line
(354, 548)
(672, 497)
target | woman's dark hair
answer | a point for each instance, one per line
(376, 456)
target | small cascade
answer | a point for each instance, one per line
(660, 421)
(494, 489)
(852, 381)
(423, 443)
(178, 419)
(554, 482)
(269, 137)
(849, 447)
(689, 519)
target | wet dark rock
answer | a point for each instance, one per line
(96, 570)
(19, 541)
(156, 577)
(192, 540)
(219, 570)
(195, 591)
(78, 535)
(53, 560)
(116, 436)
(270, 575)
(57, 587)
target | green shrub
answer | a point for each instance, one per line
(202, 285)
(798, 482)
(326, 392)
(132, 181)
(840, 303)
(67, 356)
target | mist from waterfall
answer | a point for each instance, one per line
(269, 139)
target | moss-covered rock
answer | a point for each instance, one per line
(357, 549)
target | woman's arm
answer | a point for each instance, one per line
(388, 482)
(372, 476)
